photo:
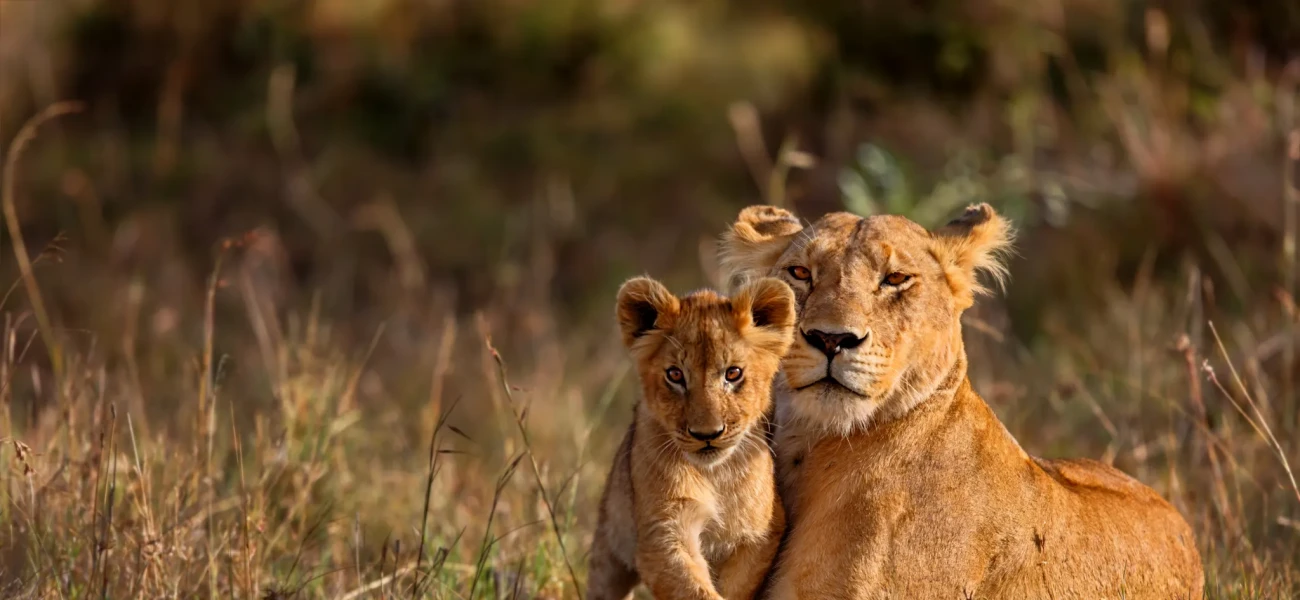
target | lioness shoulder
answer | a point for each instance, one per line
(690, 506)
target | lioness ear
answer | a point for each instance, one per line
(754, 243)
(764, 311)
(643, 304)
(976, 242)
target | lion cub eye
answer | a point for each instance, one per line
(896, 279)
(734, 374)
(675, 375)
(800, 273)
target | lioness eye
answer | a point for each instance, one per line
(734, 374)
(800, 273)
(896, 279)
(675, 375)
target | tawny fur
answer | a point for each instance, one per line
(695, 523)
(897, 479)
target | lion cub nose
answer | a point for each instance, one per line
(830, 344)
(707, 436)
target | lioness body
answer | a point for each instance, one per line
(1020, 528)
(690, 505)
(897, 479)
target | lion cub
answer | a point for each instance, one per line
(690, 506)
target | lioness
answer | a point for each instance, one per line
(691, 498)
(899, 481)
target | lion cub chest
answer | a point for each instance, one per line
(736, 505)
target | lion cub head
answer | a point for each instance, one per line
(706, 362)
(879, 301)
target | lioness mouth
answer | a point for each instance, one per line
(828, 380)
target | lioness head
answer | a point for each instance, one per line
(879, 302)
(706, 362)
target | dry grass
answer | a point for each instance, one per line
(314, 494)
(273, 458)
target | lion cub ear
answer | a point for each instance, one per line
(754, 243)
(643, 306)
(764, 311)
(976, 242)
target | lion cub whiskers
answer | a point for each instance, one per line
(690, 506)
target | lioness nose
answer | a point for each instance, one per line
(707, 436)
(831, 343)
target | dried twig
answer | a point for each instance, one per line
(428, 492)
(502, 481)
(1262, 427)
(24, 137)
(1286, 105)
(532, 460)
(1197, 397)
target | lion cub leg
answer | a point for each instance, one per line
(743, 573)
(609, 578)
(669, 558)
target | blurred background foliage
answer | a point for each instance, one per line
(441, 171)
(610, 128)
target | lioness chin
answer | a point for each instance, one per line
(897, 478)
(690, 506)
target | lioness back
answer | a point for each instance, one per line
(690, 504)
(1110, 512)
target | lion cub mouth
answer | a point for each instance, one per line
(710, 455)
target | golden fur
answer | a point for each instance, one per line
(897, 479)
(695, 518)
